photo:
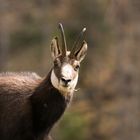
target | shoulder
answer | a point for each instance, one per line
(18, 82)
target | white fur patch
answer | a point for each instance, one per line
(67, 53)
(54, 80)
(59, 85)
(67, 71)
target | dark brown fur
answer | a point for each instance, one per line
(29, 106)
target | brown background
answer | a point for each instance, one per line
(107, 105)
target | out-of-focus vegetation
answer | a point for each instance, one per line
(107, 105)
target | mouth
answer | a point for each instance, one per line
(66, 85)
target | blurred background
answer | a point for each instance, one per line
(107, 106)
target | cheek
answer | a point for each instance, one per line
(74, 81)
(57, 72)
(54, 80)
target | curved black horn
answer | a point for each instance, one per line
(64, 45)
(76, 43)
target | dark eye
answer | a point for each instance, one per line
(57, 62)
(77, 67)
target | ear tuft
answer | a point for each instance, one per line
(81, 53)
(55, 51)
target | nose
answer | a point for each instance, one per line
(65, 81)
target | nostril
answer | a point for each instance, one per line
(69, 80)
(63, 80)
(66, 81)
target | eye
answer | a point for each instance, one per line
(57, 62)
(77, 67)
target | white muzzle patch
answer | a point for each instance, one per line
(67, 74)
(67, 71)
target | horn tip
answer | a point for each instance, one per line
(84, 29)
(60, 25)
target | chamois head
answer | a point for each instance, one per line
(64, 75)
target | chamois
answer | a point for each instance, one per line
(31, 105)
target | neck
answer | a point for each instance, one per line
(48, 105)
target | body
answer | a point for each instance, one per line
(37, 109)
(31, 105)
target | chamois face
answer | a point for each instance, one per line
(64, 75)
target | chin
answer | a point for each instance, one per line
(66, 89)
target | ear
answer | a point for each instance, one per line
(55, 50)
(81, 53)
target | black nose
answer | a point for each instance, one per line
(65, 81)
